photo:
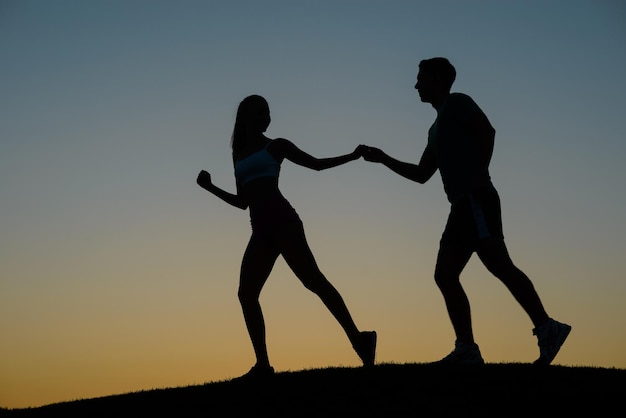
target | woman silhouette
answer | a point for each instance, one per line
(276, 227)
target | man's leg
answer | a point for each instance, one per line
(550, 334)
(495, 256)
(451, 261)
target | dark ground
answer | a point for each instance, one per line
(386, 390)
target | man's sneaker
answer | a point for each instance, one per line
(463, 353)
(551, 336)
(366, 347)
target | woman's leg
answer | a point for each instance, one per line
(296, 252)
(258, 261)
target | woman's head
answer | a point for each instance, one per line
(253, 118)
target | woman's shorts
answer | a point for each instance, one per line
(274, 211)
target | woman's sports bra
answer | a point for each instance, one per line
(255, 165)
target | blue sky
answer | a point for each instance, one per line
(118, 273)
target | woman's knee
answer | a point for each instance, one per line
(248, 295)
(316, 282)
(445, 278)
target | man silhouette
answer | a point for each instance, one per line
(460, 145)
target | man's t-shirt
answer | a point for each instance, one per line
(456, 147)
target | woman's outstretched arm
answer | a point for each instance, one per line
(204, 181)
(288, 150)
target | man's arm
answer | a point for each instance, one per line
(420, 173)
(485, 137)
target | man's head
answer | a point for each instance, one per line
(434, 79)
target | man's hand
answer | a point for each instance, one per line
(361, 150)
(204, 179)
(372, 154)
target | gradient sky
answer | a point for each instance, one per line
(118, 273)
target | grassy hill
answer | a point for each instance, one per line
(386, 390)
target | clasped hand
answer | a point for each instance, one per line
(371, 154)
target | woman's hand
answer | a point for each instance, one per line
(372, 154)
(361, 150)
(204, 179)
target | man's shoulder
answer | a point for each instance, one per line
(460, 98)
(460, 103)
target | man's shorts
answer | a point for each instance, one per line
(473, 217)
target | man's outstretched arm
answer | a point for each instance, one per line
(420, 173)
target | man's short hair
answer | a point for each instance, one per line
(441, 67)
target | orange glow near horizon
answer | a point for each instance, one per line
(119, 274)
